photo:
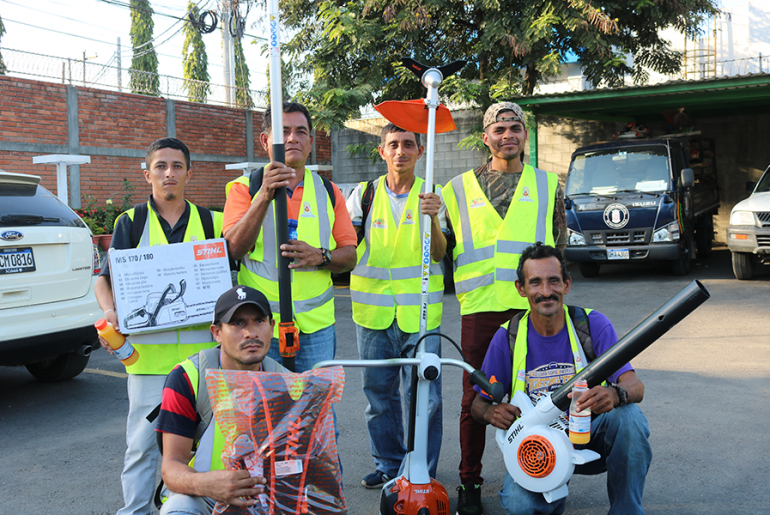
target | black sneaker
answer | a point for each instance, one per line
(375, 480)
(469, 499)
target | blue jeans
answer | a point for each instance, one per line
(313, 347)
(179, 504)
(621, 437)
(384, 417)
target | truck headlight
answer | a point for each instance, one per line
(575, 238)
(742, 218)
(668, 233)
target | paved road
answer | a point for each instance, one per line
(706, 399)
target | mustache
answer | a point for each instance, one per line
(255, 341)
(540, 298)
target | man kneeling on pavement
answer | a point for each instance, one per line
(543, 350)
(243, 326)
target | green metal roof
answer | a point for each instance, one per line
(723, 96)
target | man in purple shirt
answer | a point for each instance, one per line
(544, 358)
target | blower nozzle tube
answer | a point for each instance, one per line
(636, 340)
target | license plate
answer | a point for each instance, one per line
(617, 254)
(16, 261)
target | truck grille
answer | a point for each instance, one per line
(618, 237)
(764, 217)
(763, 240)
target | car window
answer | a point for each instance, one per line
(764, 182)
(31, 204)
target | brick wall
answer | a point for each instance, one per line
(31, 111)
(115, 128)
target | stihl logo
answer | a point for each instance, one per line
(209, 250)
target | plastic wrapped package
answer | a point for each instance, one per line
(281, 427)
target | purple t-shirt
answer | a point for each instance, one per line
(550, 363)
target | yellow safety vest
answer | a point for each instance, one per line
(160, 352)
(386, 282)
(519, 370)
(312, 291)
(489, 247)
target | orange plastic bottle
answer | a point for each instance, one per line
(579, 421)
(124, 351)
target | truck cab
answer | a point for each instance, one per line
(640, 200)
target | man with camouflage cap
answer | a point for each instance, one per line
(496, 211)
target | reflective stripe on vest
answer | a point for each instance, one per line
(519, 361)
(386, 282)
(488, 247)
(160, 352)
(312, 288)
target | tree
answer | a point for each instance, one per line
(195, 61)
(242, 82)
(144, 64)
(3, 68)
(353, 49)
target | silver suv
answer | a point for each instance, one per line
(48, 265)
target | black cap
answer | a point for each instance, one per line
(236, 297)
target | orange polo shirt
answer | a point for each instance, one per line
(239, 201)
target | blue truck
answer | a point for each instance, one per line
(633, 201)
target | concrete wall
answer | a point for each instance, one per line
(38, 118)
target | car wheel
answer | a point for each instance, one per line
(59, 368)
(743, 265)
(683, 265)
(589, 269)
(703, 238)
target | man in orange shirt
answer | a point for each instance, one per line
(325, 243)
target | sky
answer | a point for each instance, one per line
(67, 28)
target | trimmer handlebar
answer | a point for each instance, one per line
(495, 390)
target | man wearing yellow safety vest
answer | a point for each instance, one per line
(325, 241)
(385, 291)
(495, 211)
(243, 326)
(166, 218)
(540, 350)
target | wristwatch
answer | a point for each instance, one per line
(327, 257)
(622, 395)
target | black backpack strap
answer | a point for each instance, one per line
(330, 190)
(207, 221)
(579, 318)
(366, 206)
(513, 330)
(255, 181)
(137, 224)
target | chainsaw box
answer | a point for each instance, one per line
(168, 286)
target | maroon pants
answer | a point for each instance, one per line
(477, 332)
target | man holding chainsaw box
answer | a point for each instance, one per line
(541, 349)
(165, 218)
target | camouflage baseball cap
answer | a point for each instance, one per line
(493, 114)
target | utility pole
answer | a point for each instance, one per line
(120, 70)
(228, 51)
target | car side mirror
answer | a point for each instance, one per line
(567, 203)
(750, 185)
(688, 178)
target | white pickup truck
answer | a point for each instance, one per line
(748, 235)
